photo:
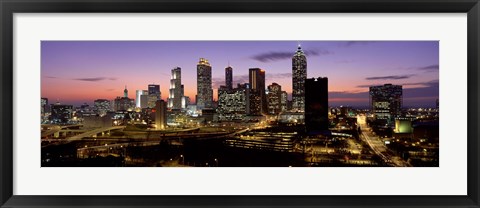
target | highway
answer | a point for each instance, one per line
(377, 145)
(94, 132)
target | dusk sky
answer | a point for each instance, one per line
(75, 72)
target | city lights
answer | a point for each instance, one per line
(266, 110)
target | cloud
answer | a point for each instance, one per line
(51, 77)
(95, 79)
(429, 68)
(417, 94)
(281, 55)
(394, 77)
(354, 43)
(431, 83)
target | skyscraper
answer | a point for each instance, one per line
(176, 89)
(274, 98)
(257, 100)
(154, 94)
(283, 101)
(299, 74)
(386, 102)
(229, 77)
(204, 97)
(316, 104)
(138, 97)
(160, 114)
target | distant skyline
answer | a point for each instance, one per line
(77, 72)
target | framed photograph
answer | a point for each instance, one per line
(239, 104)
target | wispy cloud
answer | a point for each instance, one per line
(429, 68)
(95, 79)
(392, 77)
(432, 83)
(354, 43)
(51, 77)
(282, 55)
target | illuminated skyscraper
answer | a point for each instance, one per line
(316, 104)
(154, 94)
(284, 101)
(299, 74)
(274, 98)
(204, 97)
(257, 103)
(176, 89)
(138, 97)
(229, 77)
(386, 102)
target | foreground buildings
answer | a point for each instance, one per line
(386, 102)
(316, 104)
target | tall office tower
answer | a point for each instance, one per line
(61, 113)
(160, 115)
(299, 74)
(232, 103)
(316, 104)
(386, 102)
(43, 106)
(204, 96)
(102, 106)
(229, 77)
(154, 94)
(176, 89)
(258, 99)
(274, 98)
(138, 98)
(284, 101)
(185, 102)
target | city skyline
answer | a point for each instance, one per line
(90, 70)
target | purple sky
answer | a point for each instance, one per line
(75, 72)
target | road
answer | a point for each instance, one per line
(377, 145)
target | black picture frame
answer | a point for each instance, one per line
(10, 7)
